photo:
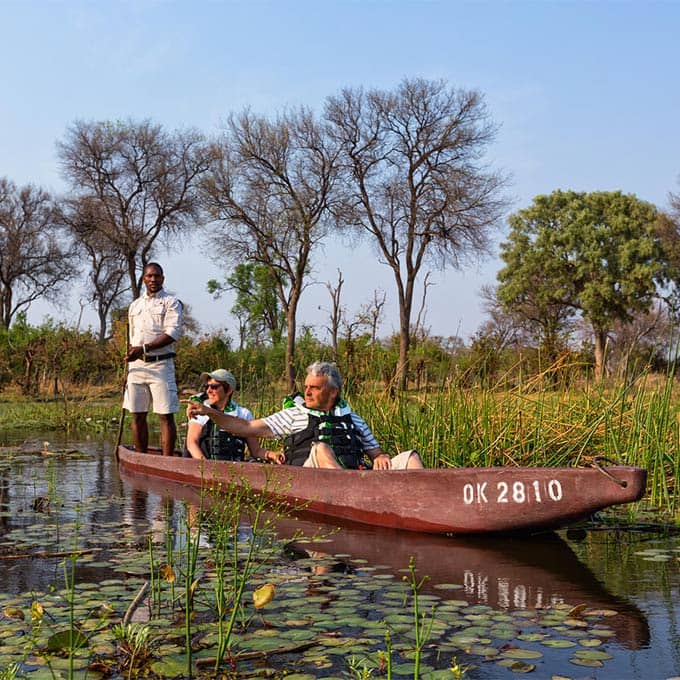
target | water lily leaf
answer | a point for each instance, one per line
(578, 610)
(503, 632)
(484, 650)
(65, 640)
(522, 667)
(589, 663)
(14, 613)
(575, 623)
(600, 612)
(590, 642)
(532, 637)
(519, 653)
(593, 654)
(170, 667)
(558, 644)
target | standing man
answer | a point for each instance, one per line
(155, 324)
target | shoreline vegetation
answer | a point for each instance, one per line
(633, 424)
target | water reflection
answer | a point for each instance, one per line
(503, 573)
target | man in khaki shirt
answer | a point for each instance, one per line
(155, 323)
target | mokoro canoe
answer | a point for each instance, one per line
(443, 501)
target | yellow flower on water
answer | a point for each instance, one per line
(263, 595)
(37, 611)
(167, 573)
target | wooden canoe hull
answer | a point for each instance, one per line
(450, 500)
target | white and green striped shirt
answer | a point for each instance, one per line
(295, 419)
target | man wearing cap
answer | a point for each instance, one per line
(155, 324)
(205, 439)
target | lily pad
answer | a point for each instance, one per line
(558, 643)
(588, 663)
(520, 653)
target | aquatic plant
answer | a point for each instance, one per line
(422, 625)
(134, 644)
(234, 566)
(10, 672)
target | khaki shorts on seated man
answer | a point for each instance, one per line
(320, 432)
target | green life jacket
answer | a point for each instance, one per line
(335, 428)
(217, 444)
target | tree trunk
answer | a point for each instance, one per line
(600, 353)
(290, 349)
(401, 374)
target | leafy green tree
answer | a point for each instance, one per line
(257, 306)
(597, 254)
(414, 181)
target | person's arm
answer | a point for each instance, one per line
(381, 460)
(256, 451)
(193, 434)
(138, 351)
(235, 426)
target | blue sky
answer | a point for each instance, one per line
(586, 95)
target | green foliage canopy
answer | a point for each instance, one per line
(595, 253)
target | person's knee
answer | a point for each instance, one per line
(321, 455)
(414, 462)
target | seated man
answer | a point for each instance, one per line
(205, 439)
(321, 432)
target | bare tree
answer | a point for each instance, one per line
(336, 312)
(414, 181)
(108, 267)
(36, 257)
(370, 314)
(270, 189)
(142, 180)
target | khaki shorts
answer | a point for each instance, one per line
(398, 462)
(149, 383)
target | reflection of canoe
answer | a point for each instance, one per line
(505, 573)
(453, 500)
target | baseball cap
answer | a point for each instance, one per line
(221, 375)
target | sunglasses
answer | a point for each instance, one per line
(213, 386)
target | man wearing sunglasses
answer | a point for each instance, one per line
(206, 439)
(320, 432)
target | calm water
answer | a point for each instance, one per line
(637, 575)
